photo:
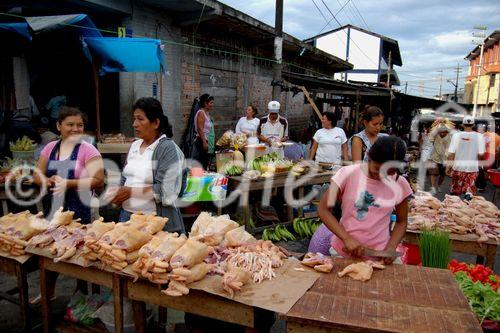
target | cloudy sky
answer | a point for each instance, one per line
(432, 35)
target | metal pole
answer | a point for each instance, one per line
(456, 83)
(440, 83)
(474, 110)
(278, 49)
(406, 87)
(389, 70)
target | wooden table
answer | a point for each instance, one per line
(114, 148)
(48, 270)
(20, 271)
(196, 302)
(401, 298)
(466, 244)
(246, 186)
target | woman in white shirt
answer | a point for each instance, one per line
(329, 143)
(154, 175)
(248, 124)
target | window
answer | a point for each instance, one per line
(492, 80)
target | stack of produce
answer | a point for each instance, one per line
(115, 138)
(306, 227)
(23, 144)
(238, 140)
(278, 234)
(259, 163)
(435, 248)
(481, 287)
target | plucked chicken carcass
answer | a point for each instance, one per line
(211, 230)
(180, 278)
(318, 261)
(361, 271)
(237, 237)
(17, 229)
(154, 257)
(234, 279)
(192, 252)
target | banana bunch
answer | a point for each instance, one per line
(278, 234)
(23, 144)
(231, 169)
(305, 227)
(258, 162)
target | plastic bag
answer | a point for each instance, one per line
(106, 312)
(225, 139)
(81, 307)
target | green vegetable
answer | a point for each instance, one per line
(482, 299)
(435, 248)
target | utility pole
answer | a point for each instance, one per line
(389, 70)
(481, 35)
(406, 87)
(440, 84)
(456, 84)
(278, 49)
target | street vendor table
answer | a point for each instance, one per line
(401, 298)
(19, 268)
(466, 244)
(90, 274)
(278, 181)
(196, 302)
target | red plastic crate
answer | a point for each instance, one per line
(494, 176)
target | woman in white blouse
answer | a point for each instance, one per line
(248, 124)
(329, 143)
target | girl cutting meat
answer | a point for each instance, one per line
(368, 193)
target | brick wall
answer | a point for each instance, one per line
(234, 81)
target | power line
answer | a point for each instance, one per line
(360, 15)
(330, 21)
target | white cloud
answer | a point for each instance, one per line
(453, 39)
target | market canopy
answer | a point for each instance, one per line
(79, 22)
(125, 54)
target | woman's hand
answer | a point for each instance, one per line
(59, 184)
(389, 260)
(118, 195)
(353, 247)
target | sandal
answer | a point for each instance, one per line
(37, 299)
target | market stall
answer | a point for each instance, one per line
(399, 298)
(473, 224)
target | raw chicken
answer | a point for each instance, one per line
(361, 271)
(210, 230)
(318, 261)
(237, 237)
(234, 279)
(192, 252)
(201, 224)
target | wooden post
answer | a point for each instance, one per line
(97, 109)
(356, 116)
(311, 101)
(278, 49)
(389, 70)
(118, 302)
(22, 285)
(139, 312)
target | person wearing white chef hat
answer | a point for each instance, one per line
(273, 129)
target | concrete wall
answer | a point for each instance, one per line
(489, 92)
(235, 82)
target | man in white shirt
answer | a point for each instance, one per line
(273, 128)
(465, 151)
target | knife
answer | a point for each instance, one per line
(382, 254)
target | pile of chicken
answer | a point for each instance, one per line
(116, 245)
(216, 245)
(318, 261)
(17, 229)
(455, 215)
(63, 236)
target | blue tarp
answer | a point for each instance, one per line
(20, 28)
(125, 54)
